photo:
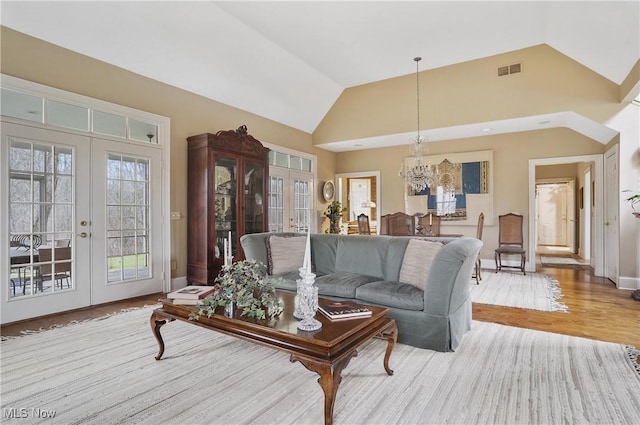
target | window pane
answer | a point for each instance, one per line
(143, 131)
(306, 164)
(63, 189)
(63, 215)
(63, 164)
(20, 105)
(66, 115)
(128, 192)
(282, 160)
(110, 124)
(20, 154)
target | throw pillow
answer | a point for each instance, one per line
(285, 253)
(417, 261)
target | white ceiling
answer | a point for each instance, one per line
(289, 61)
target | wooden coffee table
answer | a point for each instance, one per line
(326, 351)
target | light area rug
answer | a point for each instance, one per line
(563, 262)
(104, 372)
(535, 291)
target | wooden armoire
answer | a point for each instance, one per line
(226, 195)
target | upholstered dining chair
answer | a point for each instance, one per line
(510, 240)
(477, 275)
(363, 225)
(400, 224)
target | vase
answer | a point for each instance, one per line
(334, 223)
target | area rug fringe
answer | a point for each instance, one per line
(634, 357)
(555, 293)
(73, 322)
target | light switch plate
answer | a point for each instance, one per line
(176, 215)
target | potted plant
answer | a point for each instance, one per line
(334, 212)
(242, 285)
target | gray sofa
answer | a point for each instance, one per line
(366, 269)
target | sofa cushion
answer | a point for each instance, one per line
(417, 261)
(342, 285)
(362, 255)
(285, 253)
(323, 252)
(391, 294)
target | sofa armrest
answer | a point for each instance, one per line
(449, 278)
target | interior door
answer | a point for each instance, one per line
(126, 227)
(45, 195)
(552, 214)
(611, 206)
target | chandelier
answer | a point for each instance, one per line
(418, 175)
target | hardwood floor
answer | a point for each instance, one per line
(45, 322)
(597, 310)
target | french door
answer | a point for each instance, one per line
(290, 196)
(83, 221)
(126, 220)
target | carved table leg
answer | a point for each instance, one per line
(156, 323)
(330, 377)
(391, 335)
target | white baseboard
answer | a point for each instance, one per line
(629, 283)
(178, 283)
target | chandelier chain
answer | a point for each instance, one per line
(418, 175)
(418, 59)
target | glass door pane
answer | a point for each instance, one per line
(276, 203)
(253, 196)
(128, 224)
(226, 203)
(301, 205)
(41, 205)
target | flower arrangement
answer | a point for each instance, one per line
(243, 285)
(334, 212)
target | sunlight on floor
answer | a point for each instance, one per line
(542, 248)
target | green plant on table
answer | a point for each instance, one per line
(244, 285)
(334, 212)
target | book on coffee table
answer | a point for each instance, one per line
(337, 310)
(191, 293)
(187, 301)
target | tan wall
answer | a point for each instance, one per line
(471, 92)
(511, 154)
(34, 60)
(556, 171)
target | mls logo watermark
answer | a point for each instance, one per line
(23, 413)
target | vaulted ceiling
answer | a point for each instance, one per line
(289, 61)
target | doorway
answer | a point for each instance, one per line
(351, 191)
(595, 163)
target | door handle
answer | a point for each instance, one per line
(83, 234)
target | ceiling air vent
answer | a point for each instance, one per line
(509, 69)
